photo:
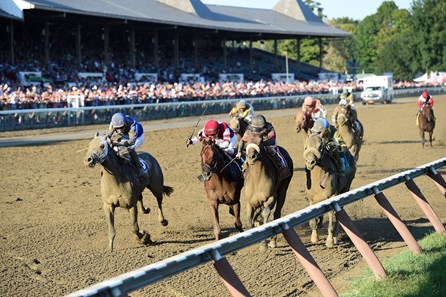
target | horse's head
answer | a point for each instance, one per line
(427, 111)
(97, 151)
(303, 121)
(234, 124)
(210, 155)
(254, 148)
(314, 148)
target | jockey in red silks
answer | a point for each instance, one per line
(220, 132)
(425, 98)
(313, 107)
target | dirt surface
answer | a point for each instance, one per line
(54, 236)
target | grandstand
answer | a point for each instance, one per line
(159, 38)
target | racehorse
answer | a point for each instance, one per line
(223, 182)
(325, 182)
(426, 123)
(351, 133)
(303, 122)
(122, 187)
(264, 189)
(239, 127)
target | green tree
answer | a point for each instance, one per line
(429, 32)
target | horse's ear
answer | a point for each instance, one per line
(97, 134)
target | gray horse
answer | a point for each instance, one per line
(121, 186)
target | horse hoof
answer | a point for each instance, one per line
(164, 223)
(145, 239)
(146, 211)
(263, 246)
(272, 244)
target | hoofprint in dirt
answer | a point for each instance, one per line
(54, 236)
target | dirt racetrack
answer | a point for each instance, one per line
(54, 235)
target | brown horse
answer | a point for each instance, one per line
(351, 133)
(303, 122)
(239, 127)
(426, 123)
(325, 182)
(121, 186)
(223, 182)
(263, 188)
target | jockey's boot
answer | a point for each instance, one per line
(136, 162)
(334, 151)
(282, 168)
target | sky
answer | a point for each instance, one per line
(354, 9)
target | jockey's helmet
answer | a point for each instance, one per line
(319, 126)
(241, 105)
(211, 128)
(343, 102)
(118, 120)
(309, 101)
(258, 123)
(425, 95)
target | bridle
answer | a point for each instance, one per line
(208, 169)
(99, 158)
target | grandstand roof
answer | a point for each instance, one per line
(287, 17)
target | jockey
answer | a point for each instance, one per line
(314, 108)
(131, 136)
(259, 125)
(346, 95)
(334, 143)
(242, 111)
(425, 98)
(343, 107)
(220, 132)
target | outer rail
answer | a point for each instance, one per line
(128, 282)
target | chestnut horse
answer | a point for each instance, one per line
(325, 182)
(303, 122)
(121, 186)
(263, 188)
(426, 123)
(223, 182)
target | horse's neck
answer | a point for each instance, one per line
(346, 133)
(113, 163)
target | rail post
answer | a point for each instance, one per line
(359, 242)
(308, 262)
(424, 205)
(228, 276)
(438, 179)
(396, 221)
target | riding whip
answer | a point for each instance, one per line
(196, 125)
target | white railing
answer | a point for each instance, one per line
(128, 282)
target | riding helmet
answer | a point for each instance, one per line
(258, 123)
(118, 120)
(211, 127)
(309, 101)
(241, 104)
(425, 95)
(319, 125)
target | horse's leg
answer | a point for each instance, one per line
(109, 211)
(213, 206)
(313, 225)
(158, 193)
(236, 210)
(249, 214)
(430, 137)
(330, 240)
(422, 137)
(140, 205)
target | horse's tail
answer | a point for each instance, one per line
(167, 190)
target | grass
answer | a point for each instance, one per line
(408, 275)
